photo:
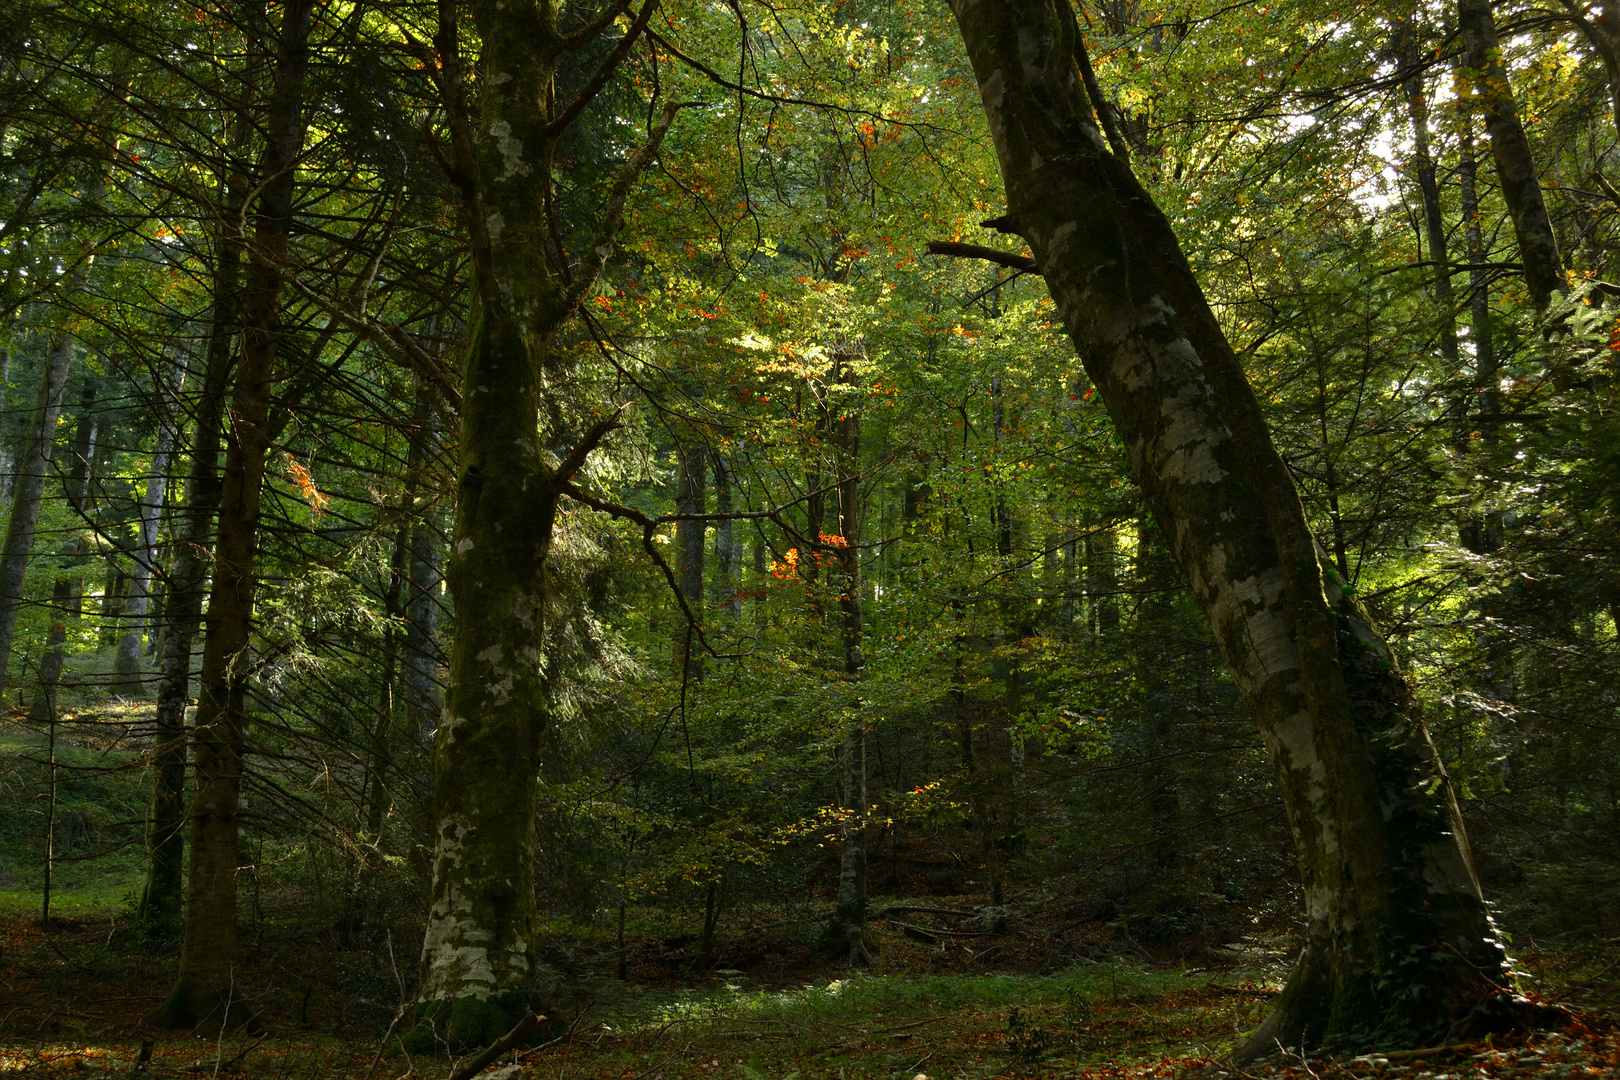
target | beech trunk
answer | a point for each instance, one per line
(1398, 945)
(479, 968)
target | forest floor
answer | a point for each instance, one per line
(970, 1004)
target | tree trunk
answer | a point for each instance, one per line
(188, 573)
(847, 931)
(478, 963)
(42, 710)
(1515, 167)
(69, 584)
(422, 599)
(204, 992)
(691, 497)
(32, 470)
(727, 549)
(1434, 225)
(1398, 944)
(1479, 533)
(5, 448)
(127, 673)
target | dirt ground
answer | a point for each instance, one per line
(959, 993)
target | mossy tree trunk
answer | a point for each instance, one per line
(1398, 944)
(204, 992)
(479, 969)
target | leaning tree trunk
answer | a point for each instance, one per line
(204, 992)
(127, 674)
(1398, 944)
(32, 470)
(1515, 166)
(479, 966)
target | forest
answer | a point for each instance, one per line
(797, 538)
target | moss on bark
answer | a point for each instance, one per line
(1398, 942)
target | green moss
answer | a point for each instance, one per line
(463, 1023)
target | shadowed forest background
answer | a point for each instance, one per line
(857, 653)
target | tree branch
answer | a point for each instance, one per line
(393, 339)
(591, 440)
(603, 73)
(989, 254)
(482, 1061)
(613, 210)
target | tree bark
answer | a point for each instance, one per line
(422, 600)
(1434, 224)
(727, 549)
(69, 577)
(204, 992)
(478, 960)
(32, 470)
(42, 710)
(691, 497)
(1398, 944)
(1515, 166)
(847, 932)
(128, 678)
(188, 573)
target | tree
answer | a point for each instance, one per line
(205, 990)
(478, 958)
(1399, 943)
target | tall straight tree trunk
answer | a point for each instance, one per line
(69, 582)
(32, 470)
(727, 549)
(1515, 166)
(847, 932)
(5, 449)
(1434, 224)
(691, 497)
(204, 992)
(421, 661)
(1398, 944)
(127, 673)
(478, 962)
(188, 573)
(42, 710)
(1156, 578)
